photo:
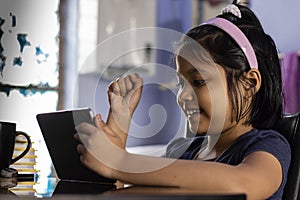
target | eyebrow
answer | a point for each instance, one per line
(191, 71)
(194, 70)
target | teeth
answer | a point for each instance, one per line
(190, 112)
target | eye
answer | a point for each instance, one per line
(199, 83)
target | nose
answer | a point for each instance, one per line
(186, 93)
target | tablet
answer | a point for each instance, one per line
(58, 129)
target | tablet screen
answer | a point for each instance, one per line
(58, 129)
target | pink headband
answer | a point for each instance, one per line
(238, 36)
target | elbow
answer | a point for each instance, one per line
(247, 188)
(238, 188)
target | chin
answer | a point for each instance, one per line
(197, 128)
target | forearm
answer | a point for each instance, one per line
(120, 126)
(185, 174)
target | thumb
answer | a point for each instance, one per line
(111, 94)
(99, 122)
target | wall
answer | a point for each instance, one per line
(157, 105)
(281, 20)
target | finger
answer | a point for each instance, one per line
(83, 138)
(81, 149)
(115, 88)
(82, 160)
(136, 80)
(76, 137)
(102, 125)
(122, 85)
(111, 85)
(99, 122)
(137, 84)
(112, 96)
(128, 83)
(85, 128)
(105, 129)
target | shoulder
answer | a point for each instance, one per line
(274, 143)
(266, 140)
(269, 141)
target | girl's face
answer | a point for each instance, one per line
(203, 91)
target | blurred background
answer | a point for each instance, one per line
(48, 51)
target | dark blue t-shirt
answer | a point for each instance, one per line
(255, 140)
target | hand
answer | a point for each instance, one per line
(124, 94)
(111, 135)
(100, 149)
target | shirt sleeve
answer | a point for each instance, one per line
(273, 143)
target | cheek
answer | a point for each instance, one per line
(204, 100)
(221, 110)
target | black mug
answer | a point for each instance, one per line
(8, 136)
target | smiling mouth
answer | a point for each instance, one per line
(192, 112)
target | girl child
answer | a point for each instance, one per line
(248, 156)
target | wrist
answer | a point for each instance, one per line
(118, 122)
(128, 113)
(117, 171)
(120, 127)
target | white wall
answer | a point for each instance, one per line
(281, 20)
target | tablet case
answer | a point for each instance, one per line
(58, 129)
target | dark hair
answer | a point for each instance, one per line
(266, 105)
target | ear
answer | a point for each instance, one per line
(253, 78)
